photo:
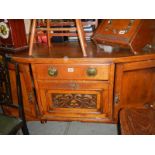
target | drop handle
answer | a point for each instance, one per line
(91, 71)
(52, 71)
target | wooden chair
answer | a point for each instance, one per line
(10, 125)
(137, 121)
(62, 31)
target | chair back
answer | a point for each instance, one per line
(5, 86)
(5, 93)
(62, 28)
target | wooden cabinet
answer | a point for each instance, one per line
(91, 89)
(74, 91)
(85, 91)
(92, 92)
(134, 85)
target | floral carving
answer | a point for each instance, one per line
(74, 101)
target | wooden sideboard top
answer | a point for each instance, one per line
(72, 52)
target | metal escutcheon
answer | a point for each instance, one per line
(52, 71)
(74, 86)
(91, 71)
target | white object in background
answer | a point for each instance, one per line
(106, 48)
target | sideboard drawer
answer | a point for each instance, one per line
(71, 85)
(72, 71)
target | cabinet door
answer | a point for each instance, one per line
(134, 85)
(75, 100)
(29, 100)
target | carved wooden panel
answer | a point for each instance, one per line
(4, 82)
(88, 101)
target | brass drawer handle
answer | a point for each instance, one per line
(91, 71)
(52, 71)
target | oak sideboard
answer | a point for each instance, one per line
(60, 84)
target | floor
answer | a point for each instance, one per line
(71, 128)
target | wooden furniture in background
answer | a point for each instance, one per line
(12, 35)
(68, 28)
(132, 33)
(137, 121)
(10, 125)
(70, 32)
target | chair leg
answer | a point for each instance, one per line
(81, 35)
(25, 129)
(119, 124)
(119, 128)
(33, 29)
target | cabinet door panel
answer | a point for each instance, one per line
(29, 100)
(79, 101)
(134, 85)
